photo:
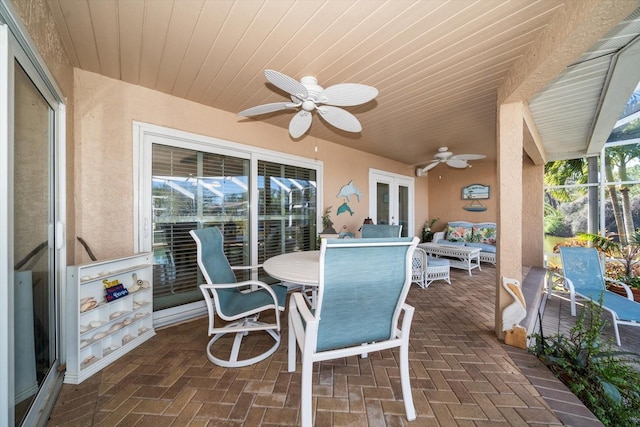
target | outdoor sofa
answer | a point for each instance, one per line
(478, 235)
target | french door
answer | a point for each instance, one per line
(392, 200)
(32, 243)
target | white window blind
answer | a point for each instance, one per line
(197, 189)
(193, 189)
(287, 209)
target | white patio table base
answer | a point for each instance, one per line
(462, 257)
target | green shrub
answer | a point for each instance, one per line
(606, 381)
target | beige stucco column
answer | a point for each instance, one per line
(509, 245)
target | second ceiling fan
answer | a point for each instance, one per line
(443, 155)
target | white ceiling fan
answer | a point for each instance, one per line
(307, 96)
(454, 160)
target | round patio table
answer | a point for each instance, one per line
(295, 267)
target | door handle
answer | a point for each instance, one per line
(60, 242)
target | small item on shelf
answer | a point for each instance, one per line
(140, 315)
(140, 303)
(99, 336)
(84, 328)
(133, 288)
(89, 359)
(87, 304)
(95, 323)
(114, 290)
(144, 284)
(111, 348)
(85, 278)
(142, 330)
(126, 338)
(127, 321)
(84, 343)
(116, 314)
(116, 327)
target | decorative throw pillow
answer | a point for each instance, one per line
(485, 233)
(459, 231)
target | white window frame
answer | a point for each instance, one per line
(144, 136)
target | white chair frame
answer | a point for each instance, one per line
(241, 323)
(424, 274)
(303, 334)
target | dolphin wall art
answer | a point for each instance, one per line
(349, 190)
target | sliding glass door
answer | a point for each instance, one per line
(264, 205)
(33, 241)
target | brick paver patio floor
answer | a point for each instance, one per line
(461, 375)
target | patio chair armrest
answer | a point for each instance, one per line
(567, 282)
(299, 303)
(438, 235)
(303, 328)
(252, 284)
(626, 287)
(406, 321)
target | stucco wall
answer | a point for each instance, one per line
(445, 193)
(105, 109)
(532, 214)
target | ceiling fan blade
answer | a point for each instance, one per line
(340, 118)
(468, 156)
(287, 84)
(300, 123)
(457, 163)
(433, 164)
(347, 94)
(267, 108)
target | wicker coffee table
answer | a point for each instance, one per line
(463, 257)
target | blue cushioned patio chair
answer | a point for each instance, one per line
(583, 276)
(240, 303)
(362, 288)
(380, 230)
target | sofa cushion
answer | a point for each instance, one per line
(484, 247)
(459, 231)
(484, 232)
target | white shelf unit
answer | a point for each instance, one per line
(108, 331)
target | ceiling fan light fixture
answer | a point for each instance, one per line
(308, 105)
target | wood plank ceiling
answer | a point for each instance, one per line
(437, 64)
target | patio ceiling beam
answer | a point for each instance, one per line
(575, 28)
(621, 83)
(532, 143)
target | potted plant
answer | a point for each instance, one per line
(427, 230)
(327, 224)
(606, 381)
